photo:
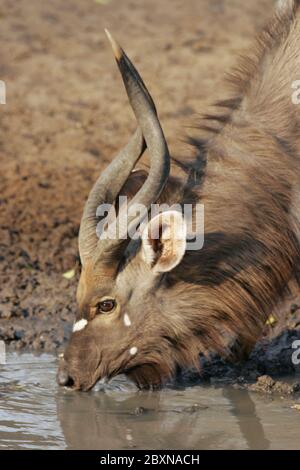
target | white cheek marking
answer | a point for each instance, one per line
(133, 351)
(127, 321)
(79, 325)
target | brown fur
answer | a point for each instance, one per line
(247, 175)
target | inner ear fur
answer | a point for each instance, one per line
(164, 241)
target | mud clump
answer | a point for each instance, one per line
(265, 384)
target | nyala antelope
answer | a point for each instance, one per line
(148, 307)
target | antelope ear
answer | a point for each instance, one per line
(164, 241)
(283, 6)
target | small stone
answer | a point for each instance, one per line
(139, 410)
(19, 334)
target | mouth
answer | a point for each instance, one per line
(71, 381)
(94, 385)
(73, 375)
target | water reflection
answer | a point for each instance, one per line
(244, 410)
(35, 413)
(153, 420)
(169, 419)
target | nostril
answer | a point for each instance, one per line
(64, 379)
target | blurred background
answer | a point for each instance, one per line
(66, 115)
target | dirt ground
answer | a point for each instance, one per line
(66, 116)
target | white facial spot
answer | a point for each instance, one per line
(127, 321)
(133, 351)
(79, 325)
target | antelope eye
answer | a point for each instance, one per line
(106, 306)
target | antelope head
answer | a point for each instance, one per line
(122, 324)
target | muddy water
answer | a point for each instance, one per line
(34, 413)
